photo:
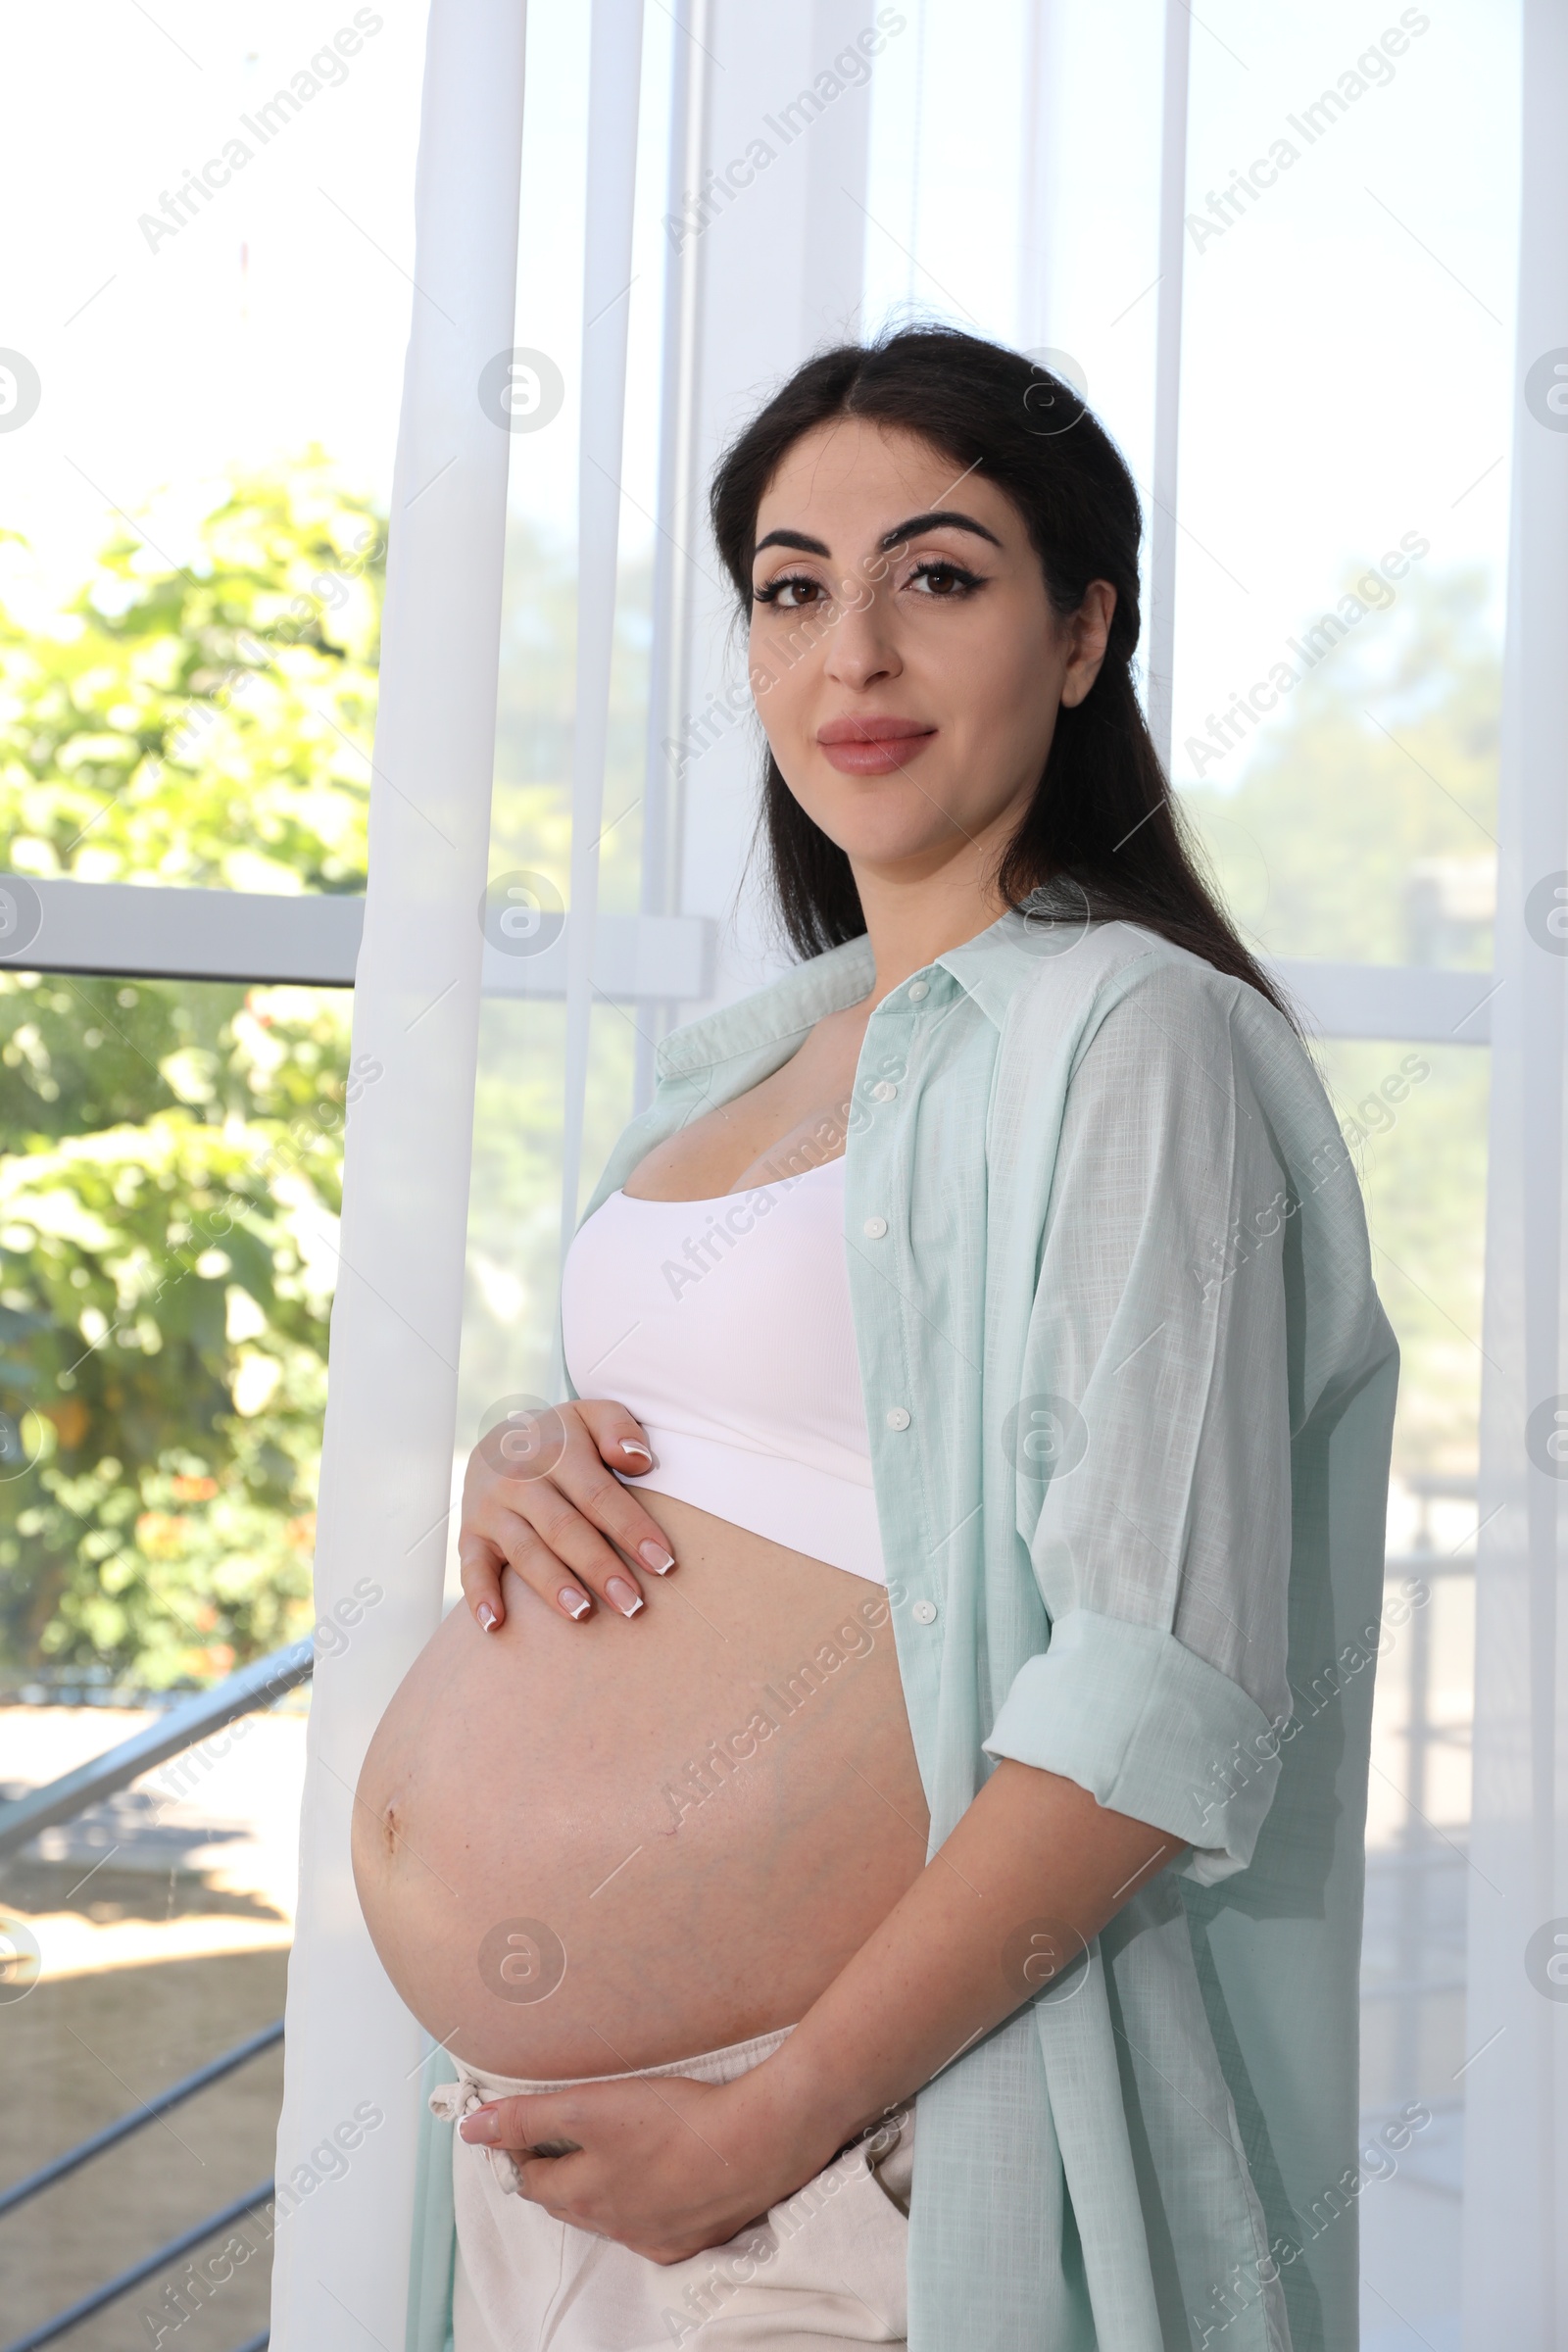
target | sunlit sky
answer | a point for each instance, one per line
(1347, 341)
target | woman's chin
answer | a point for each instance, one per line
(906, 827)
(884, 825)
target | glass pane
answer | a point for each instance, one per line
(198, 406)
(980, 154)
(1343, 553)
(168, 1203)
(1417, 1119)
(514, 1202)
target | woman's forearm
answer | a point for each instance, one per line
(1034, 1869)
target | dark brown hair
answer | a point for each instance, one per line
(1103, 824)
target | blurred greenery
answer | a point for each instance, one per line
(1423, 1167)
(169, 1191)
(1362, 830)
(204, 721)
(168, 1276)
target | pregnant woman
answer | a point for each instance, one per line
(881, 1843)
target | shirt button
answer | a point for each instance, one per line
(924, 1612)
(884, 1090)
(898, 1416)
(876, 1227)
(918, 989)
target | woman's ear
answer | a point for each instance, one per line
(1089, 634)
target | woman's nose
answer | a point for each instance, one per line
(861, 646)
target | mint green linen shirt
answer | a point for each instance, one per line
(1129, 1391)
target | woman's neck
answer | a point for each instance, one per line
(905, 935)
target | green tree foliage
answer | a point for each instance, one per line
(206, 721)
(169, 1192)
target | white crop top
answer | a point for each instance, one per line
(724, 1325)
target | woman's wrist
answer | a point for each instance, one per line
(797, 2112)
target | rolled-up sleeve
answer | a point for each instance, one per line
(1151, 1442)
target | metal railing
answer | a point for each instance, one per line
(1418, 1918)
(51, 2330)
(148, 2113)
(186, 1726)
(23, 1819)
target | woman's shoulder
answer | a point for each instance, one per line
(1143, 998)
(1068, 982)
(1156, 1034)
(1130, 1010)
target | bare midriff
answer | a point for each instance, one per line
(584, 1848)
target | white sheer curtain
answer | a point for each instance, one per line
(386, 1476)
(614, 87)
(775, 270)
(1516, 2063)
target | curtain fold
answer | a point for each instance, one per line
(353, 2051)
(1515, 2070)
(614, 90)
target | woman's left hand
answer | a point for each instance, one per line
(666, 2166)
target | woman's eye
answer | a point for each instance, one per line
(790, 594)
(943, 579)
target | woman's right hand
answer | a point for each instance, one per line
(549, 1518)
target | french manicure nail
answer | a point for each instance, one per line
(630, 1445)
(625, 1599)
(574, 1603)
(659, 1561)
(488, 1617)
(482, 2127)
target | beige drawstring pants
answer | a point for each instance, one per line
(823, 2270)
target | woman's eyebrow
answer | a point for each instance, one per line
(944, 517)
(807, 546)
(939, 518)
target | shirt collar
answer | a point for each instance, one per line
(987, 968)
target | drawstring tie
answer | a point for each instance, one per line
(451, 2102)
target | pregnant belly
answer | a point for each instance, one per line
(585, 1848)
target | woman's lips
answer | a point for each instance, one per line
(872, 747)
